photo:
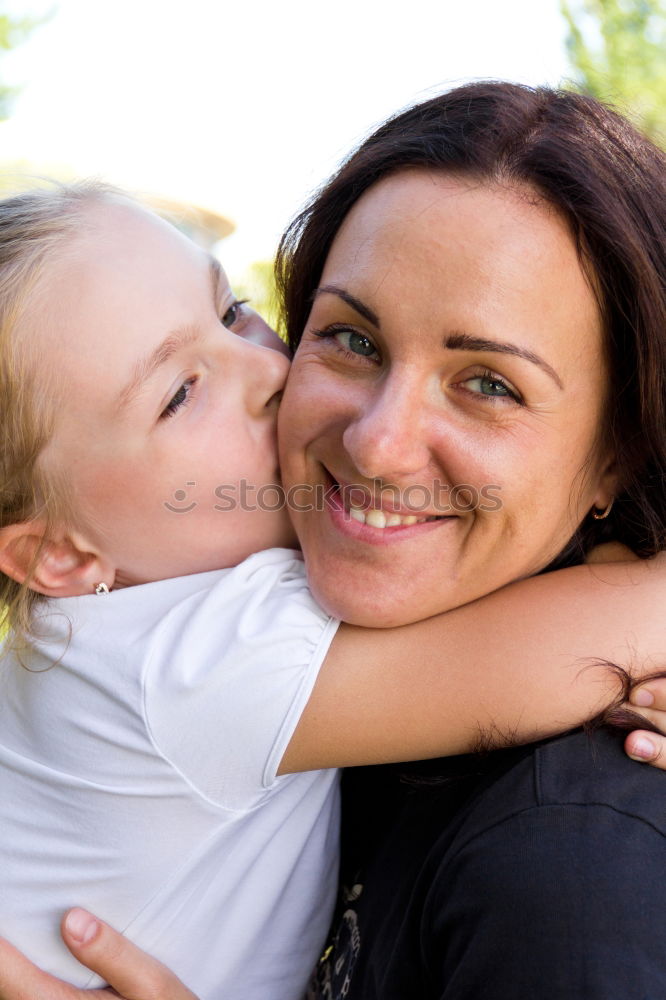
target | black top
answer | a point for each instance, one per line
(536, 873)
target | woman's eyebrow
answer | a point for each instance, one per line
(465, 342)
(455, 341)
(351, 300)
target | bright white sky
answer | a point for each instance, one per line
(246, 106)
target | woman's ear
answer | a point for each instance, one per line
(608, 484)
(57, 565)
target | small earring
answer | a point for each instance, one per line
(604, 513)
(101, 588)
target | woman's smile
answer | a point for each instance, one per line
(374, 513)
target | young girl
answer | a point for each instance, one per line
(169, 688)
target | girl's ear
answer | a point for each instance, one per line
(57, 566)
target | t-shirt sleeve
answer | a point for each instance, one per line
(229, 674)
(556, 902)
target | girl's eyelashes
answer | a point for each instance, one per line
(354, 343)
(234, 313)
(232, 316)
(180, 398)
(491, 386)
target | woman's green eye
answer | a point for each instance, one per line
(488, 386)
(357, 343)
(350, 341)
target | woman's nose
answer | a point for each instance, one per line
(388, 437)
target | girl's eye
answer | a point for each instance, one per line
(180, 398)
(491, 386)
(234, 313)
(351, 341)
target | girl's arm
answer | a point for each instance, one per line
(526, 662)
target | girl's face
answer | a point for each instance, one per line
(452, 367)
(166, 418)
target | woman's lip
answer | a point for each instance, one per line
(345, 494)
(346, 525)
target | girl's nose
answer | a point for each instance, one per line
(264, 372)
(388, 438)
(257, 331)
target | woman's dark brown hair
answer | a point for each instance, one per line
(609, 182)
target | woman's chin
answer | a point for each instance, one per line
(368, 608)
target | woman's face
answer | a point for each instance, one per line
(451, 370)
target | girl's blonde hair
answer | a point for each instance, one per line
(36, 227)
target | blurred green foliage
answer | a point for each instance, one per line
(617, 49)
(257, 285)
(14, 31)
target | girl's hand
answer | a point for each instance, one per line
(132, 974)
(650, 700)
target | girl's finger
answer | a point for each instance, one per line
(21, 980)
(652, 693)
(132, 973)
(647, 747)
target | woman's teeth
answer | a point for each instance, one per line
(380, 519)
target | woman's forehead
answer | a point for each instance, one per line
(421, 205)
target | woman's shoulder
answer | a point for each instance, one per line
(574, 781)
(582, 768)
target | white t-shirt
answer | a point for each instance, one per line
(138, 779)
